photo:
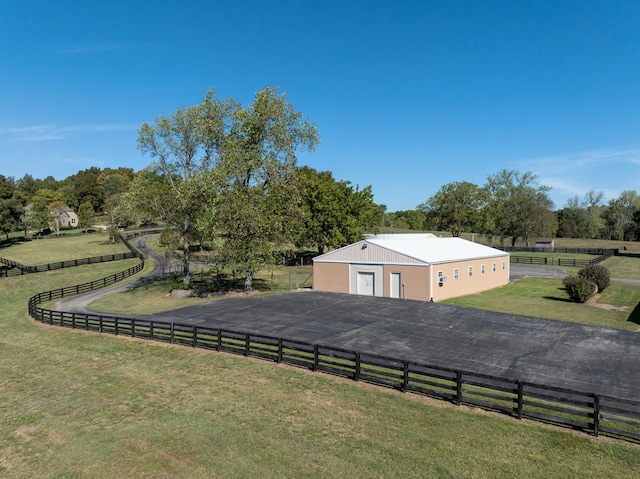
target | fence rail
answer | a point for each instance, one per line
(544, 260)
(529, 249)
(14, 268)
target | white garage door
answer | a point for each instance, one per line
(365, 282)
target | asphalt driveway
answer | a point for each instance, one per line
(556, 353)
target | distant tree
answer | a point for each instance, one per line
(619, 216)
(582, 218)
(518, 208)
(11, 212)
(85, 187)
(38, 214)
(56, 211)
(334, 214)
(85, 215)
(27, 187)
(457, 207)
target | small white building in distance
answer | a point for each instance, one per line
(421, 267)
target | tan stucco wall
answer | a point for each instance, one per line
(469, 285)
(415, 280)
(331, 277)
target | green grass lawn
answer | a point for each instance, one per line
(84, 405)
(54, 250)
(546, 298)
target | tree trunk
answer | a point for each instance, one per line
(248, 280)
(186, 253)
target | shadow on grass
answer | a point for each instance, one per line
(634, 317)
(555, 298)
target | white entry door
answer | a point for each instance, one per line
(395, 285)
(365, 283)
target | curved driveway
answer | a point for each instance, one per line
(556, 353)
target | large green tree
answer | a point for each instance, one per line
(179, 148)
(519, 207)
(333, 214)
(230, 171)
(255, 179)
(457, 207)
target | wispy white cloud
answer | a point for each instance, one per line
(49, 132)
(610, 170)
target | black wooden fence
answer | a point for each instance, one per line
(540, 260)
(588, 412)
(14, 268)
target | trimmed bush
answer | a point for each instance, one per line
(597, 274)
(579, 289)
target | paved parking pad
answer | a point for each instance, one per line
(555, 353)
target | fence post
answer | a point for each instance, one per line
(133, 328)
(171, 333)
(247, 344)
(279, 359)
(458, 388)
(520, 399)
(115, 325)
(315, 357)
(100, 324)
(356, 376)
(405, 375)
(596, 414)
(195, 336)
(219, 345)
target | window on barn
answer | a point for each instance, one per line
(481, 269)
(470, 273)
(504, 265)
(493, 267)
(456, 273)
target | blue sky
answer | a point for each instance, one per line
(407, 95)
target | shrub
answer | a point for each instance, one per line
(580, 289)
(597, 274)
(177, 284)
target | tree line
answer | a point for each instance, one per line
(514, 207)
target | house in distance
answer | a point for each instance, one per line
(421, 267)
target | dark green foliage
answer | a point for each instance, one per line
(596, 274)
(579, 289)
(170, 239)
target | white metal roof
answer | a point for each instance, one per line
(428, 249)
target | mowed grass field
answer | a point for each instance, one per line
(53, 250)
(84, 405)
